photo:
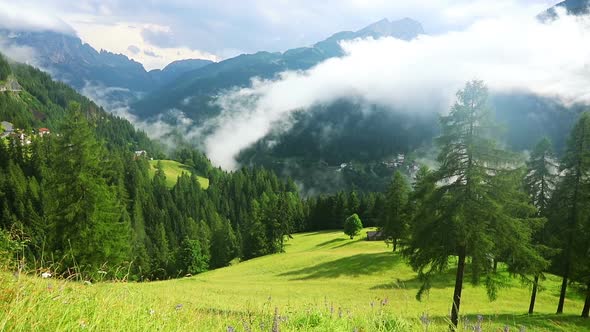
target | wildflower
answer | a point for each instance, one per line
(339, 312)
(477, 327)
(83, 324)
(424, 319)
(506, 328)
(231, 329)
(276, 321)
(45, 275)
(522, 328)
(178, 306)
(372, 304)
(384, 302)
(152, 312)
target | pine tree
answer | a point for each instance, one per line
(396, 217)
(354, 203)
(467, 211)
(539, 182)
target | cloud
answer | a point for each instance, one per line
(23, 17)
(18, 53)
(166, 128)
(133, 49)
(159, 36)
(509, 53)
(99, 35)
(151, 53)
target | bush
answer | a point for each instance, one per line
(353, 226)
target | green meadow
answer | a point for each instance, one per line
(323, 282)
(173, 169)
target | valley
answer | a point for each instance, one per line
(289, 166)
(323, 282)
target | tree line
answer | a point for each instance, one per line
(485, 205)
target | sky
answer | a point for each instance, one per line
(157, 32)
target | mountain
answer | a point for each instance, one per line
(78, 64)
(193, 91)
(327, 137)
(574, 7)
(176, 69)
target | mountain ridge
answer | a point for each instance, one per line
(200, 84)
(78, 64)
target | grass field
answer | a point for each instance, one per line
(324, 282)
(173, 170)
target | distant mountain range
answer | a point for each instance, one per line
(305, 152)
(79, 64)
(193, 91)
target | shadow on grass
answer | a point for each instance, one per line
(441, 280)
(357, 265)
(327, 243)
(322, 232)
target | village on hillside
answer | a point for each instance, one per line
(7, 129)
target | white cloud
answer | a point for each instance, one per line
(100, 36)
(19, 16)
(17, 53)
(514, 52)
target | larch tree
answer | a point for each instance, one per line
(539, 182)
(569, 219)
(472, 205)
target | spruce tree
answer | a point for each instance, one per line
(87, 222)
(396, 217)
(539, 183)
(469, 210)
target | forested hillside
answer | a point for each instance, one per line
(76, 191)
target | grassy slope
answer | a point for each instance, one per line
(320, 271)
(173, 170)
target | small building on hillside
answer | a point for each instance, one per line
(375, 236)
(44, 131)
(140, 154)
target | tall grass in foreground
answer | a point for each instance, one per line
(314, 286)
(32, 304)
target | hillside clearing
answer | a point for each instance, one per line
(324, 282)
(173, 169)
